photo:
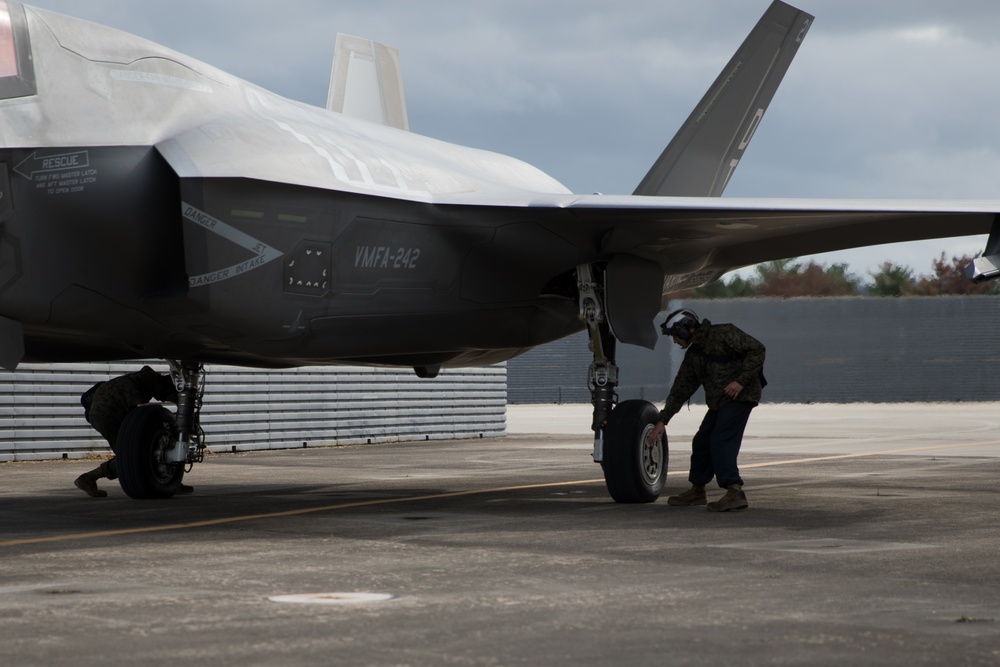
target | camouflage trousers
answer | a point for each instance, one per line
(106, 417)
(110, 468)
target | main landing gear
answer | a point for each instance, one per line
(155, 447)
(634, 469)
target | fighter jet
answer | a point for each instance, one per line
(152, 206)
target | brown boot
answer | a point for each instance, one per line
(734, 499)
(87, 482)
(693, 496)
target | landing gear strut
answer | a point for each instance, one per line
(634, 469)
(154, 447)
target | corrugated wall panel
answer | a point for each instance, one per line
(819, 350)
(247, 409)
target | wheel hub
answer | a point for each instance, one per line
(652, 456)
(162, 470)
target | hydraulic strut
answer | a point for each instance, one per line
(603, 375)
(189, 378)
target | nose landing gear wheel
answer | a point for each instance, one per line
(144, 438)
(634, 471)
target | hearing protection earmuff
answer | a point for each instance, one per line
(683, 327)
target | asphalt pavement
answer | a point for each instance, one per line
(872, 538)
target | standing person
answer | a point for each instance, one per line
(729, 364)
(106, 405)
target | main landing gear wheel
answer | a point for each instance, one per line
(634, 471)
(147, 433)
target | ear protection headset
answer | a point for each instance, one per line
(683, 327)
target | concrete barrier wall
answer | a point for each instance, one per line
(829, 350)
(246, 409)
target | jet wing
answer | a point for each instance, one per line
(695, 239)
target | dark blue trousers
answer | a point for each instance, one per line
(716, 445)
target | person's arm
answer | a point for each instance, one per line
(685, 384)
(166, 390)
(155, 385)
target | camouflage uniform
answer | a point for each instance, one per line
(113, 400)
(718, 355)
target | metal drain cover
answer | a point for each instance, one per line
(332, 598)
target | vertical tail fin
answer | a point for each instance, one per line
(366, 82)
(702, 156)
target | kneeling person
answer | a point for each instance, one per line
(106, 405)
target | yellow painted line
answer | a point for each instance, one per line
(298, 512)
(439, 496)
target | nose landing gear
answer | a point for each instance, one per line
(145, 438)
(155, 447)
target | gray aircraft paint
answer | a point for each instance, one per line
(107, 138)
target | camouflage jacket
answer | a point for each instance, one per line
(718, 354)
(115, 398)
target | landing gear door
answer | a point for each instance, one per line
(634, 293)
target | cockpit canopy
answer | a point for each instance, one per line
(17, 74)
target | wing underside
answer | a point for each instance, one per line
(696, 240)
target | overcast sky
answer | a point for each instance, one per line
(886, 98)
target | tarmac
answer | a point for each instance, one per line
(872, 538)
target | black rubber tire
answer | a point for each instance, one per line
(634, 472)
(144, 436)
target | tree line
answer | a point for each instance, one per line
(790, 278)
